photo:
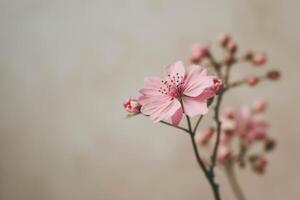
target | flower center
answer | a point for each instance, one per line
(172, 86)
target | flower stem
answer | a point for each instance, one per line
(218, 122)
(208, 175)
(229, 170)
(179, 127)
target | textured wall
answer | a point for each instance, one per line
(66, 66)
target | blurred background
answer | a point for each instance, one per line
(66, 67)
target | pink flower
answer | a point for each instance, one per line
(132, 106)
(177, 93)
(250, 126)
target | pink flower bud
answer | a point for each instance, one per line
(248, 55)
(259, 106)
(252, 80)
(223, 39)
(132, 106)
(229, 59)
(270, 144)
(231, 46)
(229, 113)
(218, 85)
(198, 54)
(259, 59)
(259, 164)
(223, 154)
(204, 137)
(273, 75)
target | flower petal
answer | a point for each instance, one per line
(197, 81)
(152, 82)
(150, 104)
(193, 107)
(175, 68)
(177, 116)
(166, 111)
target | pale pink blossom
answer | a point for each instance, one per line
(249, 126)
(132, 106)
(178, 93)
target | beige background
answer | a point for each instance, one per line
(66, 67)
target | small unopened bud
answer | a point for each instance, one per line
(248, 55)
(231, 46)
(270, 144)
(223, 39)
(223, 154)
(229, 113)
(259, 59)
(259, 106)
(218, 85)
(226, 137)
(273, 75)
(198, 54)
(204, 137)
(229, 59)
(259, 164)
(252, 80)
(132, 106)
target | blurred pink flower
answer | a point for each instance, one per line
(224, 38)
(223, 153)
(198, 53)
(259, 106)
(204, 136)
(248, 125)
(259, 164)
(259, 59)
(177, 93)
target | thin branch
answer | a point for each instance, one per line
(213, 184)
(189, 124)
(179, 127)
(218, 122)
(197, 124)
(229, 170)
(215, 64)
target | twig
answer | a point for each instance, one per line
(229, 170)
(197, 124)
(179, 127)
